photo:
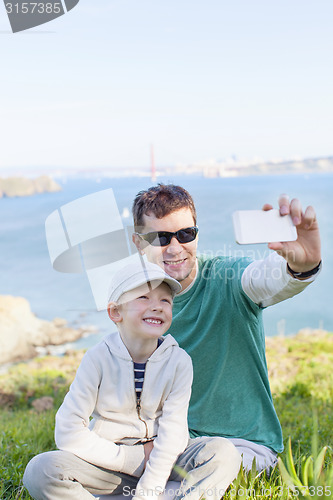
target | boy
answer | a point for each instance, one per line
(136, 385)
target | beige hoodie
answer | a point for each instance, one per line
(104, 389)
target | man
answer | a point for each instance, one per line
(217, 317)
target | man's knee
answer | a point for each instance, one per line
(223, 453)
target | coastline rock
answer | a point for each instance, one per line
(22, 186)
(21, 332)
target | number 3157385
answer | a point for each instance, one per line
(33, 8)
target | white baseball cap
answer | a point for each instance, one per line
(137, 274)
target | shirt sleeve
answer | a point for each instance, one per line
(72, 420)
(172, 435)
(267, 282)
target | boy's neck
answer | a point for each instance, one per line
(139, 350)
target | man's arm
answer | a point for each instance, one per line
(269, 281)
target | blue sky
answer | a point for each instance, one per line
(198, 79)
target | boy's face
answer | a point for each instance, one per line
(146, 312)
(177, 259)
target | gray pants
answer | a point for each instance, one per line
(211, 465)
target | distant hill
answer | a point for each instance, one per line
(22, 186)
(310, 165)
(236, 168)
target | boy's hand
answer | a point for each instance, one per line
(147, 449)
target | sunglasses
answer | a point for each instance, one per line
(163, 238)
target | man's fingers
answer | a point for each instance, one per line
(294, 208)
(296, 211)
(309, 217)
(284, 204)
(278, 246)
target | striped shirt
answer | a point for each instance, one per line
(139, 375)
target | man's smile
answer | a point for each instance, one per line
(174, 262)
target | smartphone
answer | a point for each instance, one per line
(259, 226)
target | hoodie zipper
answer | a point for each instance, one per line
(138, 408)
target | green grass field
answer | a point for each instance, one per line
(301, 375)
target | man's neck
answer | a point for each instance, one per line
(187, 284)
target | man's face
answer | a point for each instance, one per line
(177, 259)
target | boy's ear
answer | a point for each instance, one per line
(114, 312)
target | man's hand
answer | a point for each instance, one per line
(303, 254)
(147, 449)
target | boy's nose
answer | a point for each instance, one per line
(156, 305)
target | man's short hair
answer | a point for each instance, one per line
(160, 201)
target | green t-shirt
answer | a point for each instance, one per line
(222, 330)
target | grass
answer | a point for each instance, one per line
(301, 375)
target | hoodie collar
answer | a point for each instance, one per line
(118, 348)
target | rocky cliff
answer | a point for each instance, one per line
(22, 186)
(21, 332)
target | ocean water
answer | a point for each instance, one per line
(26, 270)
